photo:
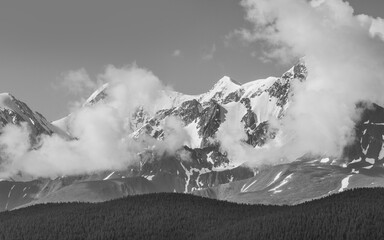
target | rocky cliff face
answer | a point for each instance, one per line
(14, 111)
(369, 136)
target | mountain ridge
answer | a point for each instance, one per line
(203, 166)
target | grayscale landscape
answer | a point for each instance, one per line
(192, 119)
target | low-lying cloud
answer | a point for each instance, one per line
(102, 132)
(344, 56)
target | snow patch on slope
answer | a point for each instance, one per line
(344, 183)
(324, 160)
(370, 160)
(356, 161)
(245, 188)
(275, 179)
(285, 181)
(110, 175)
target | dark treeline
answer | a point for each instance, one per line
(354, 214)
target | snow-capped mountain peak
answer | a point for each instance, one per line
(221, 89)
(98, 95)
(14, 111)
(226, 82)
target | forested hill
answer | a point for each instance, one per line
(354, 214)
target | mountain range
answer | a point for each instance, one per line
(202, 165)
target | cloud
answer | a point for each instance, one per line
(344, 56)
(232, 136)
(176, 53)
(209, 54)
(376, 28)
(78, 82)
(175, 136)
(14, 143)
(102, 132)
(130, 87)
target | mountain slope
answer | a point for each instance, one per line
(14, 111)
(296, 182)
(362, 165)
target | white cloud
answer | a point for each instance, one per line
(14, 143)
(102, 132)
(232, 136)
(78, 82)
(176, 53)
(175, 135)
(344, 55)
(376, 28)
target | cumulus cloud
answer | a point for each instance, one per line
(131, 86)
(344, 56)
(102, 134)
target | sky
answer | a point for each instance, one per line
(186, 44)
